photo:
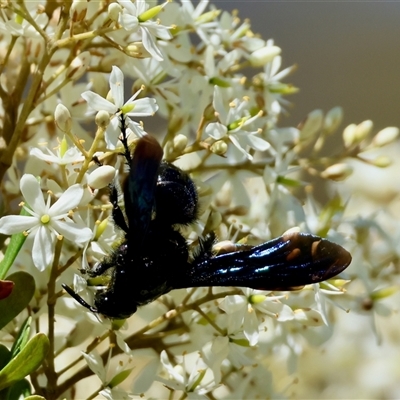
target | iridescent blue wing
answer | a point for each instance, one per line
(285, 263)
(140, 187)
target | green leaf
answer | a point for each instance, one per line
(119, 378)
(290, 182)
(5, 356)
(27, 361)
(20, 389)
(19, 298)
(22, 338)
(12, 251)
(35, 397)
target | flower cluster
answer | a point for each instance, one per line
(212, 92)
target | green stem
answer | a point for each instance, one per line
(51, 302)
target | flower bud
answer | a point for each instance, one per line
(311, 125)
(78, 9)
(260, 57)
(180, 142)
(219, 147)
(333, 119)
(354, 134)
(114, 10)
(337, 172)
(174, 148)
(63, 118)
(136, 50)
(363, 130)
(382, 161)
(102, 119)
(348, 135)
(101, 177)
(385, 136)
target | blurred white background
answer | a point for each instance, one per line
(348, 54)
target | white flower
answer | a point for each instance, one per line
(116, 393)
(241, 312)
(232, 123)
(133, 19)
(96, 364)
(62, 156)
(131, 108)
(204, 23)
(46, 222)
(195, 385)
(273, 87)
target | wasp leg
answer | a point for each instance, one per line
(117, 214)
(124, 141)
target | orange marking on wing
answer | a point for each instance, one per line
(314, 249)
(293, 254)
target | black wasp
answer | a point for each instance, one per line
(153, 257)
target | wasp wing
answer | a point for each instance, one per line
(292, 260)
(140, 187)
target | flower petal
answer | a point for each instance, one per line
(72, 231)
(219, 106)
(43, 248)
(117, 86)
(96, 364)
(17, 223)
(112, 134)
(141, 6)
(98, 103)
(256, 142)
(30, 189)
(233, 139)
(251, 327)
(129, 22)
(216, 130)
(144, 107)
(67, 201)
(150, 44)
(159, 31)
(170, 368)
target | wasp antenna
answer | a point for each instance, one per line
(78, 298)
